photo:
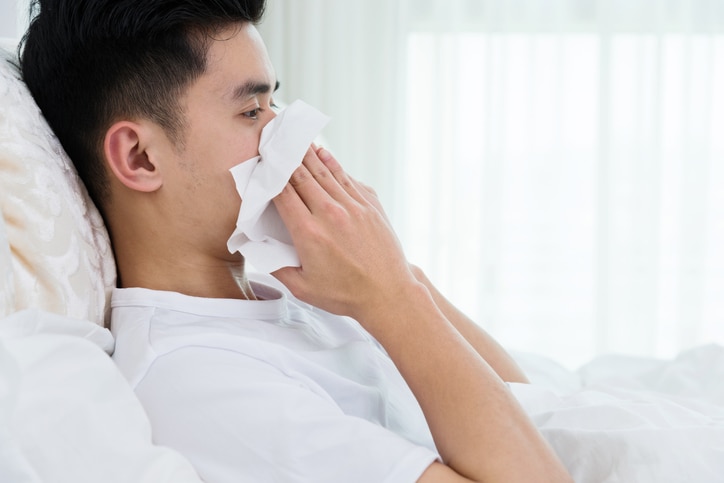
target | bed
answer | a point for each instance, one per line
(67, 415)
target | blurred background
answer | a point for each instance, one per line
(555, 166)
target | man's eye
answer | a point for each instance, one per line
(253, 114)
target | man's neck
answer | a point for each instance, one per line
(153, 250)
(195, 276)
(221, 281)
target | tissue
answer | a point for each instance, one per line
(260, 235)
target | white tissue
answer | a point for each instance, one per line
(260, 235)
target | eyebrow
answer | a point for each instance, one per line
(252, 88)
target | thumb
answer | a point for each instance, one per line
(290, 277)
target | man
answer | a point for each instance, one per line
(155, 101)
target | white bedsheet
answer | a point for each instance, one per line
(625, 419)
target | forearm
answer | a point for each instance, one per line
(493, 353)
(478, 427)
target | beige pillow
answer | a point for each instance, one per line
(60, 253)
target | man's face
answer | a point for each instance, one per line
(224, 111)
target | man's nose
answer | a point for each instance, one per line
(272, 113)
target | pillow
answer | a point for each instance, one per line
(66, 412)
(6, 274)
(60, 251)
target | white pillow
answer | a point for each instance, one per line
(60, 251)
(7, 290)
(67, 415)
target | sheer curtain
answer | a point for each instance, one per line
(13, 18)
(582, 154)
(556, 167)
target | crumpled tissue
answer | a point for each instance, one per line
(260, 234)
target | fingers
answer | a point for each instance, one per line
(344, 180)
(315, 183)
(362, 193)
(306, 192)
(290, 277)
(291, 208)
(311, 189)
(319, 186)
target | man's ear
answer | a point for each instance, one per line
(125, 148)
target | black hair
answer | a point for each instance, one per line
(90, 63)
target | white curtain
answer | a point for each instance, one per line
(13, 18)
(557, 167)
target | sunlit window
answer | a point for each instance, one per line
(565, 187)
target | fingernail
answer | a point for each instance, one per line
(324, 155)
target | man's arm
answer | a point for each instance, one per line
(352, 264)
(484, 344)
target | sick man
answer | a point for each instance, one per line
(354, 368)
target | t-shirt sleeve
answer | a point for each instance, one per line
(237, 418)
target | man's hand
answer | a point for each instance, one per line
(351, 260)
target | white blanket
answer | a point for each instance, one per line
(67, 414)
(623, 419)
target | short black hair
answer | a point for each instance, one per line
(90, 63)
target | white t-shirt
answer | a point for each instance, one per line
(270, 390)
